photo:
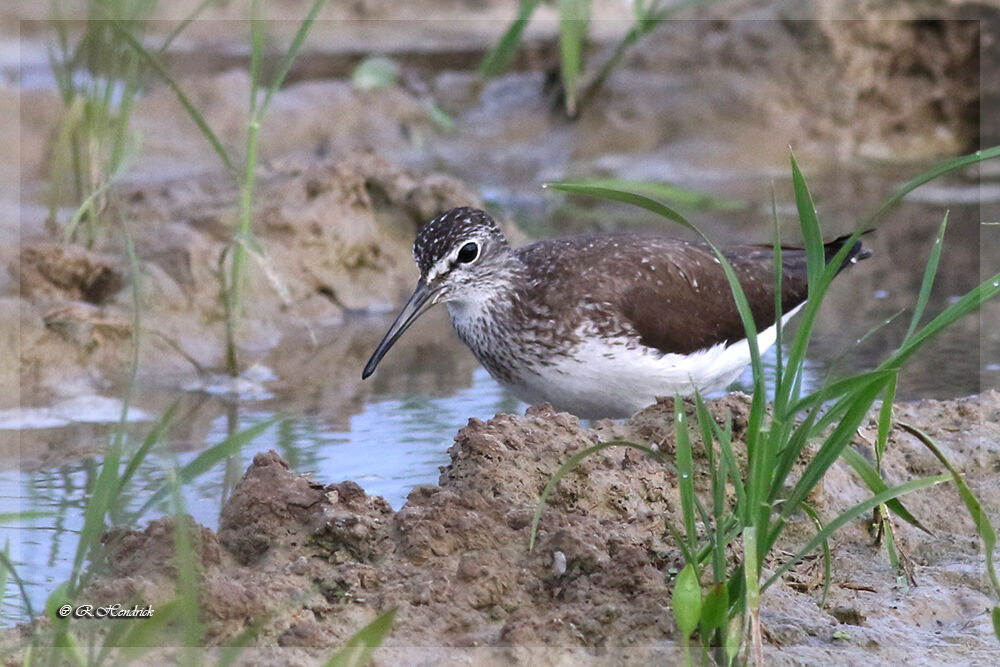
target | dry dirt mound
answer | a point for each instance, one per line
(313, 563)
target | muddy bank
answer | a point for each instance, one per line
(313, 561)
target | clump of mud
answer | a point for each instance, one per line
(311, 563)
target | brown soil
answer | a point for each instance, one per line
(313, 562)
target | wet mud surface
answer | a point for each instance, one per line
(312, 561)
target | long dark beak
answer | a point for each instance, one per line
(421, 300)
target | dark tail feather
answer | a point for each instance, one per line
(854, 255)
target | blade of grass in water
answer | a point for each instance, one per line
(927, 176)
(154, 436)
(9, 570)
(210, 457)
(665, 191)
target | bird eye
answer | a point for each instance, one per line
(468, 253)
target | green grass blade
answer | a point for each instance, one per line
(154, 62)
(625, 197)
(256, 53)
(815, 259)
(979, 517)
(498, 59)
(293, 52)
(9, 570)
(837, 389)
(97, 510)
(187, 565)
(787, 456)
(829, 452)
(665, 191)
(725, 441)
(155, 434)
(210, 457)
(573, 462)
(751, 580)
(182, 26)
(574, 16)
(928, 281)
(718, 474)
(779, 338)
(927, 176)
(685, 474)
(873, 481)
(850, 515)
(360, 647)
(827, 559)
(885, 419)
(956, 311)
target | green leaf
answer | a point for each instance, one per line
(815, 259)
(290, 55)
(928, 281)
(850, 515)
(686, 600)
(927, 176)
(155, 434)
(7, 568)
(685, 473)
(871, 478)
(211, 456)
(665, 191)
(360, 647)
(956, 311)
(193, 113)
(715, 610)
(574, 15)
(979, 517)
(498, 59)
(375, 72)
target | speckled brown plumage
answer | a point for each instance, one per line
(552, 317)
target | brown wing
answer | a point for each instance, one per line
(702, 310)
(671, 293)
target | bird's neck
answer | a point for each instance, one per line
(483, 314)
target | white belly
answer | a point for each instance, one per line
(616, 380)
